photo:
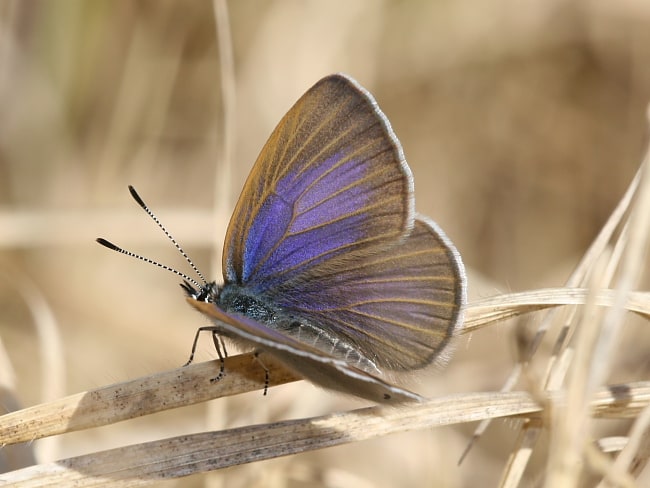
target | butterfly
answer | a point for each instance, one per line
(326, 265)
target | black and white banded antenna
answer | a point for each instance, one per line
(203, 292)
(186, 286)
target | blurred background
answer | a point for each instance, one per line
(523, 124)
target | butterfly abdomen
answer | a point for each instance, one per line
(319, 338)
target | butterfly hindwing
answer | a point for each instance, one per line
(398, 306)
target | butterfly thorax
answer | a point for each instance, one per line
(237, 299)
(232, 298)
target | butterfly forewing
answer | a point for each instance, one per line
(398, 306)
(331, 180)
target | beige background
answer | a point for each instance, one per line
(523, 123)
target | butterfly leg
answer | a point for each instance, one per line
(215, 338)
(219, 344)
(266, 372)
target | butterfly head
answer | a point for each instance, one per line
(208, 292)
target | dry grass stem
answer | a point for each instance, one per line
(181, 456)
(161, 391)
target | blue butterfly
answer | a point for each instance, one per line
(326, 266)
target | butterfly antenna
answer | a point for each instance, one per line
(137, 198)
(113, 247)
